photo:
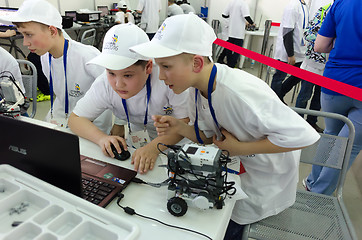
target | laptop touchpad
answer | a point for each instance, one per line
(90, 166)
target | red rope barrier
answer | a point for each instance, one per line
(331, 84)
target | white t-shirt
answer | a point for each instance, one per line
(9, 63)
(247, 107)
(187, 8)
(293, 18)
(163, 101)
(224, 25)
(120, 17)
(79, 79)
(174, 9)
(150, 14)
(237, 10)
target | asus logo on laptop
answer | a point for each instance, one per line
(17, 149)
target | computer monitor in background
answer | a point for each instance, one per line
(104, 10)
(7, 11)
(115, 5)
(72, 14)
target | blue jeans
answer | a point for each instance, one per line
(305, 94)
(234, 231)
(282, 88)
(322, 179)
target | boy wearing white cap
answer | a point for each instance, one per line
(123, 16)
(131, 89)
(235, 110)
(63, 61)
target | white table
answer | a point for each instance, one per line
(248, 35)
(152, 202)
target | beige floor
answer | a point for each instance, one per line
(352, 194)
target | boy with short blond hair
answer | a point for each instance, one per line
(63, 60)
(235, 110)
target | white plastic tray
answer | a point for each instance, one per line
(33, 209)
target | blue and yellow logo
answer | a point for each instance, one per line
(77, 87)
(115, 38)
(163, 27)
(159, 34)
(168, 110)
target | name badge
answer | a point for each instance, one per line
(60, 122)
(139, 139)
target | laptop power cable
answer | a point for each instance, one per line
(131, 211)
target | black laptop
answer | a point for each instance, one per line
(54, 157)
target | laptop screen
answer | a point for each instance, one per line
(72, 14)
(45, 153)
(4, 11)
(103, 9)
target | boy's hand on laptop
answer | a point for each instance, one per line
(167, 125)
(144, 158)
(106, 141)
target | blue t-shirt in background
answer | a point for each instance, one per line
(345, 60)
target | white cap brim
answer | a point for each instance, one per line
(113, 62)
(14, 18)
(154, 50)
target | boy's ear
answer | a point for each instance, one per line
(149, 67)
(198, 63)
(53, 30)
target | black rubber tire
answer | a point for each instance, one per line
(177, 206)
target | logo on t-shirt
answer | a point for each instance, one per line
(168, 110)
(76, 92)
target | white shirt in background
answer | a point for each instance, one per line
(237, 10)
(121, 16)
(293, 18)
(174, 9)
(150, 14)
(187, 8)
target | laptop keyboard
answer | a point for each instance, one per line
(94, 190)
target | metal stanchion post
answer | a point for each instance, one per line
(265, 43)
(215, 24)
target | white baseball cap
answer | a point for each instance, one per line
(38, 11)
(117, 41)
(184, 33)
(122, 4)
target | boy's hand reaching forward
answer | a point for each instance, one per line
(145, 157)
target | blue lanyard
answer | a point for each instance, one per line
(209, 91)
(148, 87)
(65, 51)
(302, 43)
